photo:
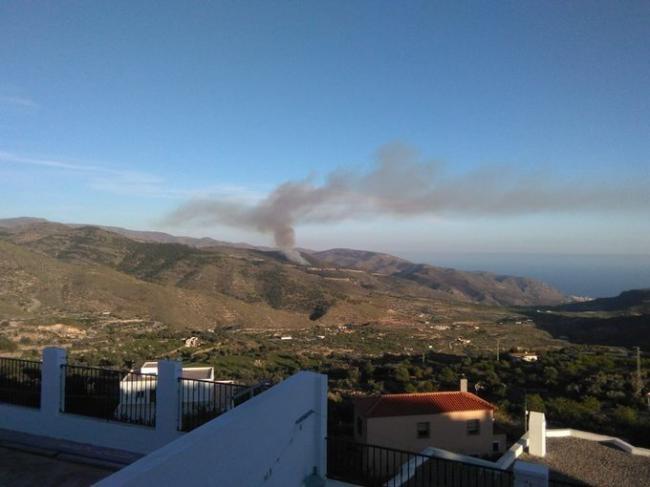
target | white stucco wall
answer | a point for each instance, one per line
(448, 432)
(49, 421)
(274, 439)
(81, 429)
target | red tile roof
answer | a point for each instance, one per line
(420, 403)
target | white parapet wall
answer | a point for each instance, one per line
(537, 434)
(274, 439)
(514, 452)
(49, 421)
(528, 474)
(586, 435)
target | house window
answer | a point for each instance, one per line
(139, 395)
(423, 430)
(495, 446)
(359, 426)
(473, 427)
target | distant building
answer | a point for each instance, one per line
(193, 342)
(457, 421)
(199, 390)
(524, 357)
(200, 373)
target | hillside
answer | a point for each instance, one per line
(636, 301)
(161, 237)
(23, 223)
(91, 269)
(623, 320)
(33, 284)
(363, 259)
(481, 287)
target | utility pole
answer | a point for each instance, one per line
(639, 380)
(498, 347)
(525, 411)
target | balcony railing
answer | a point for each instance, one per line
(20, 382)
(375, 466)
(203, 400)
(128, 397)
(123, 396)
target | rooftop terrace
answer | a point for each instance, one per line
(28, 460)
(593, 463)
(46, 468)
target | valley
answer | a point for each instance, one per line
(373, 322)
(94, 290)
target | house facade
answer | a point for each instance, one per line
(457, 421)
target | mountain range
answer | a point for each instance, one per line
(50, 267)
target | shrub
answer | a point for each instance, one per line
(535, 402)
(7, 345)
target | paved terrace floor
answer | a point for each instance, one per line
(30, 460)
(593, 463)
(23, 469)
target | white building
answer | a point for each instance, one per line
(198, 393)
(193, 342)
(524, 357)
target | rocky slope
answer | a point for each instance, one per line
(52, 267)
(481, 287)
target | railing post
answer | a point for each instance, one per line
(167, 398)
(52, 384)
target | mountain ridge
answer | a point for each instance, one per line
(253, 283)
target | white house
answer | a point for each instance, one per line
(199, 373)
(524, 357)
(457, 421)
(198, 391)
(193, 342)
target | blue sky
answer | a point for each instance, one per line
(119, 112)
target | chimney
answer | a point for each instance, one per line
(463, 385)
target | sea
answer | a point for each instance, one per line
(579, 275)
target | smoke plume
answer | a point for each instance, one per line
(401, 184)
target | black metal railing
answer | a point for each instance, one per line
(374, 466)
(203, 400)
(20, 382)
(128, 397)
(251, 391)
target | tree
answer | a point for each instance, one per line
(534, 402)
(448, 376)
(402, 374)
(625, 415)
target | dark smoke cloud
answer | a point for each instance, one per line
(401, 184)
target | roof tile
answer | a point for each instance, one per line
(420, 403)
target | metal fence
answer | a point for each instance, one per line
(20, 382)
(114, 395)
(374, 466)
(203, 400)
(123, 396)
